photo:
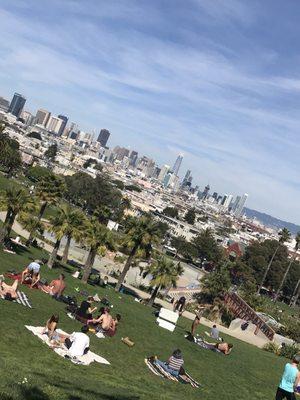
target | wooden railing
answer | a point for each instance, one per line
(241, 309)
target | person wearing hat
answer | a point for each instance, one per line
(32, 273)
(289, 380)
(174, 363)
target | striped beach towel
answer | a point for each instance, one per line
(159, 371)
(22, 299)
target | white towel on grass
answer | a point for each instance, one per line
(86, 359)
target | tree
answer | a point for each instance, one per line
(49, 190)
(164, 274)
(296, 294)
(10, 158)
(32, 225)
(190, 216)
(98, 238)
(207, 247)
(284, 236)
(217, 283)
(183, 247)
(171, 212)
(15, 200)
(51, 152)
(296, 248)
(133, 188)
(67, 222)
(141, 233)
(91, 193)
(37, 173)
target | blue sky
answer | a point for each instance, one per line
(216, 80)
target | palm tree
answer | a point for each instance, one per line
(32, 224)
(164, 274)
(98, 238)
(74, 224)
(48, 190)
(15, 200)
(297, 244)
(296, 293)
(284, 236)
(141, 234)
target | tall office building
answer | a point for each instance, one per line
(163, 172)
(205, 192)
(177, 164)
(235, 203)
(239, 209)
(103, 137)
(227, 201)
(187, 178)
(63, 125)
(28, 118)
(42, 117)
(16, 105)
(54, 124)
(133, 158)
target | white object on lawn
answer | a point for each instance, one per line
(167, 319)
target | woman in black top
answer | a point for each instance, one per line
(85, 310)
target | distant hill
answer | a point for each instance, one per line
(270, 221)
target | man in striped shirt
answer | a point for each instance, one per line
(174, 364)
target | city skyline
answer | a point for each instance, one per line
(240, 119)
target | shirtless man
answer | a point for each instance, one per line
(224, 347)
(56, 287)
(9, 291)
(105, 320)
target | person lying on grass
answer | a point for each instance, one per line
(32, 273)
(289, 380)
(9, 292)
(56, 287)
(223, 347)
(174, 363)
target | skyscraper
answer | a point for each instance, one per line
(42, 117)
(103, 137)
(16, 105)
(54, 124)
(177, 164)
(133, 158)
(205, 192)
(4, 104)
(187, 178)
(228, 201)
(163, 172)
(241, 204)
(63, 125)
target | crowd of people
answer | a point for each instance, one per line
(78, 342)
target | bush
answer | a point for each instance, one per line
(272, 348)
(288, 351)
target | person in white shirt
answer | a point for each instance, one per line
(32, 272)
(78, 343)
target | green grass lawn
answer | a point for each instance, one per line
(248, 373)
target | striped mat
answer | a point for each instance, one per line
(159, 371)
(22, 299)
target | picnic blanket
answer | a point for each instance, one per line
(159, 371)
(18, 276)
(86, 359)
(22, 299)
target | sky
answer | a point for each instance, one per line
(215, 80)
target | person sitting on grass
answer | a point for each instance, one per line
(86, 310)
(289, 380)
(56, 287)
(174, 363)
(113, 328)
(78, 343)
(32, 273)
(104, 321)
(214, 333)
(50, 328)
(223, 347)
(9, 292)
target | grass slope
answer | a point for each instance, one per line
(247, 373)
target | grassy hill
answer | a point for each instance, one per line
(247, 372)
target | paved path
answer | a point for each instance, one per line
(78, 254)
